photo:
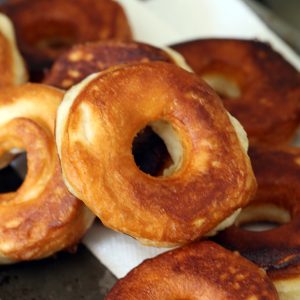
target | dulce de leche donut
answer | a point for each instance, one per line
(199, 271)
(13, 70)
(277, 200)
(258, 86)
(41, 217)
(45, 28)
(211, 175)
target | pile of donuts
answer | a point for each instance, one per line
(154, 142)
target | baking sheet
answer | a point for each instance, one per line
(65, 276)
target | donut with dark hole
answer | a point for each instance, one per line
(277, 201)
(210, 177)
(40, 217)
(257, 85)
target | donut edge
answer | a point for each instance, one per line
(19, 69)
(85, 216)
(62, 118)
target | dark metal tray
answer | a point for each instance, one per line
(65, 276)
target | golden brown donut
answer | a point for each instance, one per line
(45, 28)
(211, 176)
(258, 86)
(200, 271)
(41, 217)
(85, 59)
(12, 67)
(277, 200)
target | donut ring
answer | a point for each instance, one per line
(44, 29)
(277, 250)
(41, 217)
(72, 66)
(199, 271)
(13, 70)
(96, 124)
(260, 88)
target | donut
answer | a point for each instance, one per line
(210, 177)
(46, 28)
(13, 70)
(201, 271)
(257, 85)
(85, 59)
(41, 217)
(277, 200)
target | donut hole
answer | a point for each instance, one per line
(150, 152)
(50, 35)
(157, 150)
(12, 175)
(262, 218)
(225, 86)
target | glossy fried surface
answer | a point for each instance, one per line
(12, 67)
(268, 87)
(46, 28)
(278, 176)
(41, 217)
(277, 250)
(199, 271)
(5, 61)
(96, 125)
(82, 60)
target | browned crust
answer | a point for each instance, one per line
(6, 62)
(278, 250)
(83, 60)
(291, 272)
(199, 271)
(215, 178)
(41, 217)
(63, 21)
(269, 106)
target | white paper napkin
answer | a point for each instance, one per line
(117, 251)
(162, 22)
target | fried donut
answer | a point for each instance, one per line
(258, 86)
(199, 271)
(211, 176)
(46, 28)
(13, 70)
(277, 200)
(41, 217)
(85, 59)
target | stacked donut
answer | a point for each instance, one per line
(136, 138)
(41, 217)
(257, 85)
(262, 91)
(45, 29)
